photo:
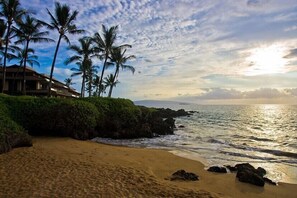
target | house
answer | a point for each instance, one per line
(36, 83)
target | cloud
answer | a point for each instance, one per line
(262, 93)
(292, 54)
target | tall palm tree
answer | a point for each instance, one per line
(109, 81)
(82, 58)
(10, 10)
(119, 59)
(29, 31)
(62, 22)
(104, 43)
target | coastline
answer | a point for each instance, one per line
(64, 167)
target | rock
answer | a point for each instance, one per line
(170, 122)
(247, 173)
(217, 169)
(185, 176)
(244, 166)
(248, 176)
(231, 168)
(269, 181)
(261, 171)
(167, 113)
(181, 126)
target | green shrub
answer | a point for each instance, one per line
(11, 134)
(54, 116)
(118, 117)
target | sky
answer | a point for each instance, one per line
(231, 51)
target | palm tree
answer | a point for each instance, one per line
(90, 74)
(96, 85)
(10, 10)
(118, 57)
(28, 56)
(68, 82)
(2, 32)
(82, 58)
(31, 60)
(29, 31)
(62, 22)
(104, 44)
(81, 71)
(11, 49)
(109, 81)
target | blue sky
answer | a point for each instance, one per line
(192, 50)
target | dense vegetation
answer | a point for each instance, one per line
(83, 118)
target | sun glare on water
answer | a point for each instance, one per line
(266, 60)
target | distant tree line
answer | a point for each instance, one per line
(19, 29)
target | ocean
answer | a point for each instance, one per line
(263, 135)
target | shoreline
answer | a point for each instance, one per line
(64, 166)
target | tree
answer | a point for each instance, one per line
(82, 58)
(81, 71)
(31, 60)
(29, 31)
(62, 22)
(96, 85)
(10, 10)
(109, 81)
(119, 59)
(68, 82)
(104, 44)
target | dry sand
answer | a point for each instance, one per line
(63, 167)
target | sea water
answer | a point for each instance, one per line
(263, 135)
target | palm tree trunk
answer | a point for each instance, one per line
(24, 69)
(110, 91)
(82, 92)
(16, 75)
(53, 66)
(114, 78)
(102, 73)
(5, 56)
(90, 87)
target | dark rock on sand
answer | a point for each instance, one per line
(248, 176)
(217, 169)
(269, 181)
(181, 126)
(185, 176)
(231, 168)
(261, 171)
(247, 173)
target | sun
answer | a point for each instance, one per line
(266, 60)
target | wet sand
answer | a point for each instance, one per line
(63, 167)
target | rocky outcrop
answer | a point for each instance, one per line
(169, 113)
(217, 169)
(248, 174)
(184, 176)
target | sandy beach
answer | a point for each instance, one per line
(63, 167)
